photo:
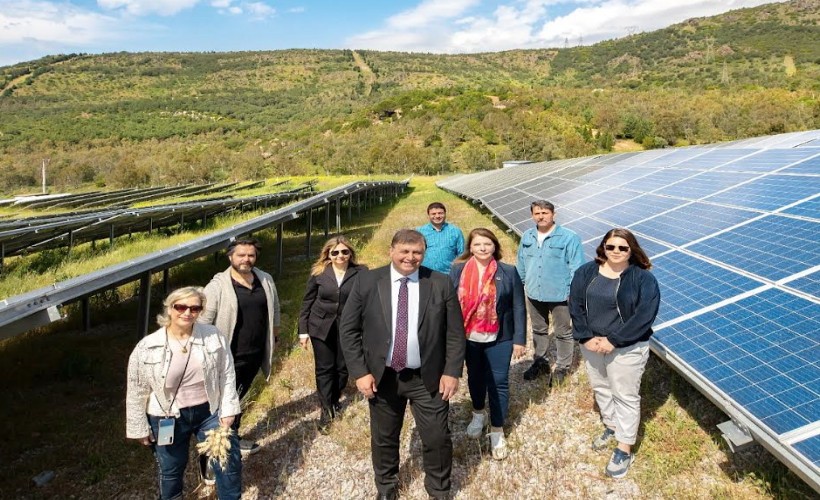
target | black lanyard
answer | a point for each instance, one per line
(184, 369)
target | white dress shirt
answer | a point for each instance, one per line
(413, 353)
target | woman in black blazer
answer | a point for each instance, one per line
(331, 279)
(492, 301)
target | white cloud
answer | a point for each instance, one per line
(421, 29)
(259, 10)
(453, 26)
(33, 21)
(235, 10)
(430, 11)
(147, 7)
(221, 4)
(296, 10)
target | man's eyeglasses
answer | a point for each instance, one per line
(181, 308)
(334, 253)
(611, 248)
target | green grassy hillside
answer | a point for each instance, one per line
(129, 119)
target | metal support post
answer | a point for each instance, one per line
(145, 303)
(338, 216)
(165, 274)
(327, 219)
(309, 231)
(86, 307)
(280, 246)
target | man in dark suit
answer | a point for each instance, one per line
(403, 340)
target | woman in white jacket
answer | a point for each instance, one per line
(181, 383)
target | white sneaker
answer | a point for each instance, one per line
(248, 447)
(476, 425)
(498, 444)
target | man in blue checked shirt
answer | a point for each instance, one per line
(445, 241)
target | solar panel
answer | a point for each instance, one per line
(773, 247)
(691, 222)
(733, 232)
(771, 378)
(768, 193)
(768, 161)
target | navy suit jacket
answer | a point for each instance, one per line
(509, 302)
(366, 328)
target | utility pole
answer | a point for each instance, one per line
(45, 162)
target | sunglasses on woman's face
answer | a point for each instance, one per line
(181, 308)
(611, 248)
(344, 251)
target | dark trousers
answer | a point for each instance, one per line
(488, 373)
(172, 459)
(246, 369)
(386, 419)
(540, 313)
(331, 370)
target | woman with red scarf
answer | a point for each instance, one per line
(495, 320)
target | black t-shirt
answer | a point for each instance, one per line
(251, 328)
(602, 305)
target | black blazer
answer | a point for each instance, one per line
(324, 301)
(367, 323)
(509, 302)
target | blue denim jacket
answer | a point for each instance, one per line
(547, 270)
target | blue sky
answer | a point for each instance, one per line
(33, 28)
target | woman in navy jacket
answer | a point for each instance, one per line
(331, 280)
(492, 302)
(613, 303)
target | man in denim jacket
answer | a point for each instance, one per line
(547, 259)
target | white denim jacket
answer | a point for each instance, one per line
(148, 366)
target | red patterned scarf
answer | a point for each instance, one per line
(478, 298)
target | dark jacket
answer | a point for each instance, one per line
(509, 302)
(324, 301)
(367, 323)
(638, 299)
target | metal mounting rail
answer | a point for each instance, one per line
(29, 310)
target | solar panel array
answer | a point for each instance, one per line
(733, 232)
(38, 233)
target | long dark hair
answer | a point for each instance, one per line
(324, 256)
(636, 254)
(479, 231)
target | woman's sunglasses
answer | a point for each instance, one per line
(611, 248)
(334, 253)
(181, 308)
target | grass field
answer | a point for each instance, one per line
(63, 410)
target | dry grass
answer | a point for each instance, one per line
(680, 454)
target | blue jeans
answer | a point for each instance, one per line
(172, 459)
(488, 373)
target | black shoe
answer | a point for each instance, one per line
(387, 496)
(560, 376)
(539, 367)
(325, 419)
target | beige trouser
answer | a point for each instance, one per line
(616, 382)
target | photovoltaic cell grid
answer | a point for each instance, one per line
(762, 352)
(733, 231)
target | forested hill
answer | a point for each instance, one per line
(159, 118)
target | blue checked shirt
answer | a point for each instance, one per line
(442, 246)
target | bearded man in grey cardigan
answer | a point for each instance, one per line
(243, 304)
